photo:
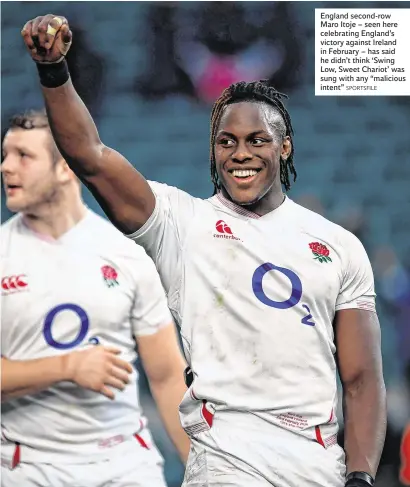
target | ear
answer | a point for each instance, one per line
(286, 148)
(63, 171)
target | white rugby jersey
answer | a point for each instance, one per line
(90, 286)
(255, 298)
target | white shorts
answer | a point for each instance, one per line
(239, 451)
(136, 468)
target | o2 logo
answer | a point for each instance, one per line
(82, 332)
(295, 294)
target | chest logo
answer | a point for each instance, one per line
(224, 231)
(320, 252)
(110, 275)
(14, 283)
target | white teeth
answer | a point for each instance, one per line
(244, 173)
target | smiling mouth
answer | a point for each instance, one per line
(244, 175)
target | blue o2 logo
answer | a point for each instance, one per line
(295, 295)
(257, 279)
(82, 332)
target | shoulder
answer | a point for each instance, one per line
(10, 230)
(315, 224)
(112, 241)
(321, 231)
(11, 224)
(175, 195)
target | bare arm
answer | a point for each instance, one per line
(97, 369)
(164, 366)
(121, 190)
(19, 378)
(364, 393)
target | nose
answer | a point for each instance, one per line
(7, 164)
(241, 153)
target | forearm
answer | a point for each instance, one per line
(168, 395)
(365, 423)
(73, 128)
(22, 377)
(124, 195)
(24, 391)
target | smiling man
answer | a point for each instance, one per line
(271, 298)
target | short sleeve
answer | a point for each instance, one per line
(150, 310)
(357, 289)
(162, 236)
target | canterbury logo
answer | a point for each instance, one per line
(224, 231)
(14, 283)
(222, 227)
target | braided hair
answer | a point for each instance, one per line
(256, 91)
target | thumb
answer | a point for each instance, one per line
(66, 34)
(63, 40)
(113, 350)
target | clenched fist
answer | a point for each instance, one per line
(48, 38)
(97, 368)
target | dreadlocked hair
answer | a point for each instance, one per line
(256, 91)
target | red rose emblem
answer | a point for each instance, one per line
(320, 251)
(109, 272)
(110, 275)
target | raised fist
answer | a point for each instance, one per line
(48, 38)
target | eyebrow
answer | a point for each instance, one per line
(19, 148)
(252, 134)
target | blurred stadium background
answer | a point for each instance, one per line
(149, 71)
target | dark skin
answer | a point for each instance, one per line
(247, 139)
(359, 360)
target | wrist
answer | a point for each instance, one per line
(359, 479)
(67, 367)
(53, 75)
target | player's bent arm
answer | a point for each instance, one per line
(359, 360)
(164, 365)
(123, 193)
(22, 377)
(99, 369)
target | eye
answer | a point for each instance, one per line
(258, 141)
(23, 154)
(226, 142)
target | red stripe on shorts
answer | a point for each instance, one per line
(141, 441)
(319, 438)
(16, 456)
(208, 416)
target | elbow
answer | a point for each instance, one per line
(174, 377)
(366, 380)
(87, 162)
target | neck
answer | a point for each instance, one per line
(269, 202)
(57, 219)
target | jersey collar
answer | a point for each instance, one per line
(241, 210)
